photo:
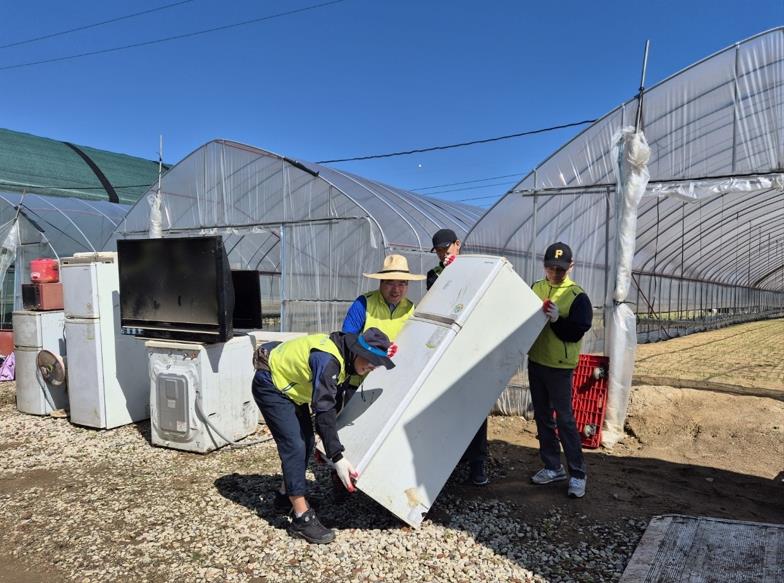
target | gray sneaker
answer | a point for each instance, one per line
(546, 476)
(576, 487)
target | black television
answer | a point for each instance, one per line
(176, 288)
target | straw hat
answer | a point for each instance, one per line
(395, 267)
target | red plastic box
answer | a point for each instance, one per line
(44, 270)
(589, 397)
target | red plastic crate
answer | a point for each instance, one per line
(589, 398)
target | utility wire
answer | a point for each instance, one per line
(464, 182)
(94, 25)
(174, 37)
(460, 145)
(481, 197)
(464, 188)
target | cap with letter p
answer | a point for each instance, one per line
(558, 255)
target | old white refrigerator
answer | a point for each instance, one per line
(407, 428)
(34, 332)
(107, 371)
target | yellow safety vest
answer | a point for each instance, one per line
(290, 370)
(548, 349)
(377, 314)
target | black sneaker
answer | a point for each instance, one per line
(478, 477)
(308, 527)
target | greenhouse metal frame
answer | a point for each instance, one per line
(708, 247)
(309, 230)
(35, 225)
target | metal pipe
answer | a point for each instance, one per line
(642, 86)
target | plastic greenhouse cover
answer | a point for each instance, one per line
(315, 228)
(716, 136)
(68, 225)
(709, 225)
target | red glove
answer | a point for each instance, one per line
(449, 260)
(392, 350)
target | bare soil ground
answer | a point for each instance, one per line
(715, 450)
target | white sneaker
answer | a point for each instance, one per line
(576, 487)
(546, 476)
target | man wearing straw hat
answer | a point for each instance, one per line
(386, 308)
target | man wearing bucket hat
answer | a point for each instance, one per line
(386, 308)
(446, 246)
(551, 363)
(302, 375)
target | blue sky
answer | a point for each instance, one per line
(354, 78)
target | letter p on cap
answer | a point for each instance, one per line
(558, 253)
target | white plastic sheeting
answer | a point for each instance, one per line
(631, 154)
(710, 225)
(310, 230)
(34, 225)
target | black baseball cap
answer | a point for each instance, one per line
(443, 239)
(558, 255)
(372, 345)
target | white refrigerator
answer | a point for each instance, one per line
(107, 371)
(407, 428)
(34, 332)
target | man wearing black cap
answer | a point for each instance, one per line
(447, 246)
(551, 363)
(304, 374)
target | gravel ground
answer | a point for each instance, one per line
(84, 505)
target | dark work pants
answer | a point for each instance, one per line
(291, 429)
(476, 452)
(551, 390)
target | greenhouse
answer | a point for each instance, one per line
(310, 231)
(56, 199)
(44, 166)
(673, 204)
(33, 225)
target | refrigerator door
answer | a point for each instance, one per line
(80, 290)
(86, 386)
(33, 394)
(375, 408)
(458, 289)
(40, 330)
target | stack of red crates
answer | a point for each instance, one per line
(589, 397)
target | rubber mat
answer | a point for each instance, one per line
(707, 550)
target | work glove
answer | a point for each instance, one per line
(449, 260)
(550, 309)
(346, 472)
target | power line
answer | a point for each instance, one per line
(464, 182)
(460, 145)
(466, 188)
(94, 25)
(480, 197)
(175, 37)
